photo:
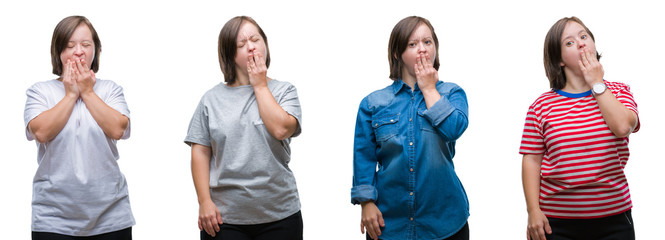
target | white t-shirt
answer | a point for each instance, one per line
(78, 189)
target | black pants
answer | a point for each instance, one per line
(124, 234)
(462, 234)
(289, 228)
(615, 227)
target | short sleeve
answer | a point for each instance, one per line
(625, 96)
(35, 104)
(291, 104)
(199, 130)
(532, 137)
(116, 100)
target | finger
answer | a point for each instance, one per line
(92, 75)
(217, 221)
(583, 57)
(428, 60)
(381, 222)
(257, 58)
(200, 226)
(85, 64)
(219, 218)
(377, 230)
(79, 66)
(415, 67)
(541, 233)
(590, 57)
(362, 227)
(527, 234)
(548, 229)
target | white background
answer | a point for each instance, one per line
(164, 54)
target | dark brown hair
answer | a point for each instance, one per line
(227, 46)
(552, 53)
(399, 39)
(61, 35)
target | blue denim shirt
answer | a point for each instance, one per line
(415, 185)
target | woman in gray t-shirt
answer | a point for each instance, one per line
(240, 135)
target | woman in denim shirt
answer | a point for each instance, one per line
(409, 129)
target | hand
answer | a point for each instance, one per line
(426, 75)
(257, 70)
(537, 223)
(592, 70)
(85, 77)
(371, 220)
(71, 88)
(209, 218)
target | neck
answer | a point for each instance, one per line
(241, 79)
(575, 83)
(409, 80)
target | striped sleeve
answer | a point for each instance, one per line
(532, 137)
(625, 96)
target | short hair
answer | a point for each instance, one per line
(61, 35)
(399, 39)
(552, 52)
(228, 46)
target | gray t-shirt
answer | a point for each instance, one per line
(250, 180)
(78, 189)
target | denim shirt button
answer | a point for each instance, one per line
(410, 143)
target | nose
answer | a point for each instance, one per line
(581, 43)
(78, 50)
(421, 48)
(251, 46)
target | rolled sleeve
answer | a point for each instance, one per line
(449, 115)
(363, 193)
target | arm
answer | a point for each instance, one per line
(448, 114)
(531, 184)
(621, 120)
(278, 122)
(209, 216)
(49, 123)
(364, 167)
(112, 122)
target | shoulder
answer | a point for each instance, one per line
(617, 86)
(280, 86)
(379, 97)
(45, 84)
(544, 99)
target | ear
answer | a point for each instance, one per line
(562, 64)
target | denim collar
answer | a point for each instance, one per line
(399, 84)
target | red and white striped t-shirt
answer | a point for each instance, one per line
(582, 170)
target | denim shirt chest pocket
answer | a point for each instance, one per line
(425, 125)
(385, 127)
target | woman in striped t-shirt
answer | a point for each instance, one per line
(575, 144)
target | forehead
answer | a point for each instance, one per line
(421, 31)
(247, 29)
(572, 28)
(82, 32)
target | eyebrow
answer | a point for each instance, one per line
(425, 38)
(570, 36)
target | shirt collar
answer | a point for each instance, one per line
(399, 84)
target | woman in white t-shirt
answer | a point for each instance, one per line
(78, 190)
